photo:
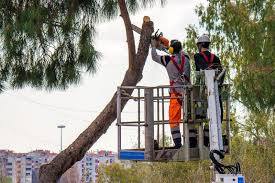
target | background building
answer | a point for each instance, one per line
(24, 167)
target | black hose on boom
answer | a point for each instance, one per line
(221, 168)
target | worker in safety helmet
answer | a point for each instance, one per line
(207, 60)
(178, 68)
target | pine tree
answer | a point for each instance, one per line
(48, 44)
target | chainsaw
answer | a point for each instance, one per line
(158, 36)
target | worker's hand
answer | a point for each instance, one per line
(154, 43)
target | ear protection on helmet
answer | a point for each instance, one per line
(171, 50)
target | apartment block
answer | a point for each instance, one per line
(24, 167)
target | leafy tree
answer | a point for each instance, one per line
(48, 44)
(260, 128)
(257, 160)
(243, 33)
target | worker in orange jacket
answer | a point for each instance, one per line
(178, 68)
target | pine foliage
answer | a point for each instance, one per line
(49, 44)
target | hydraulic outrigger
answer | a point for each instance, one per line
(200, 99)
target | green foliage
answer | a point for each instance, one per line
(252, 145)
(257, 160)
(48, 44)
(260, 128)
(257, 165)
(117, 173)
(109, 9)
(8, 180)
(156, 172)
(167, 141)
(243, 34)
(5, 179)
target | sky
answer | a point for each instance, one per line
(29, 117)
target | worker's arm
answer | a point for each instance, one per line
(199, 62)
(161, 59)
(218, 62)
(220, 68)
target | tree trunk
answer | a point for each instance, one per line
(50, 173)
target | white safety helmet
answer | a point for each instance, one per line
(204, 39)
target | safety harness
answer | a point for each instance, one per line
(182, 77)
(209, 62)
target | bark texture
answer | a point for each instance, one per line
(50, 173)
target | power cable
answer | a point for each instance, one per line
(60, 107)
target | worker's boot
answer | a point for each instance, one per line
(225, 140)
(193, 138)
(206, 137)
(177, 143)
(156, 145)
(175, 131)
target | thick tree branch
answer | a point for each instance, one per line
(129, 33)
(50, 173)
